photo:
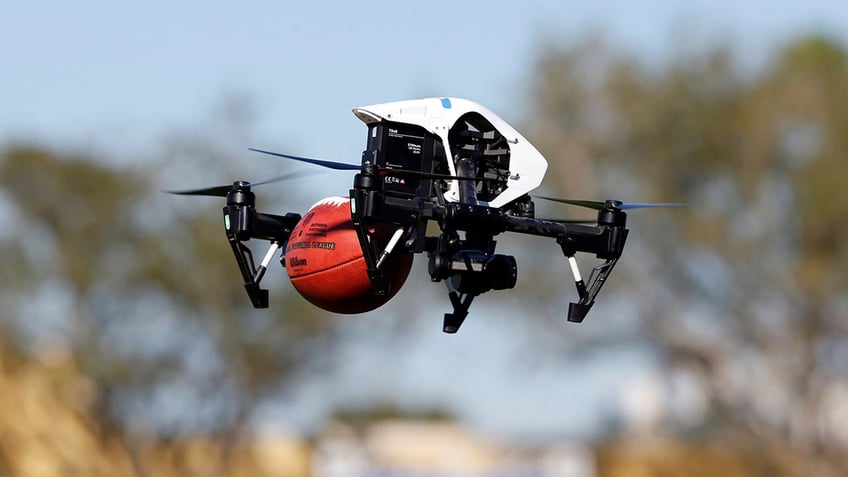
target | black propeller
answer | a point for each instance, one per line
(613, 204)
(341, 166)
(223, 190)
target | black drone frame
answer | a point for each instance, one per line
(242, 222)
(462, 255)
(468, 264)
(401, 183)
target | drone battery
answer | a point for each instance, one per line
(403, 147)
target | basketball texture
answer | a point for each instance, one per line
(324, 260)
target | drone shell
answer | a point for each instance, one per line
(438, 116)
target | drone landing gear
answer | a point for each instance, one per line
(577, 311)
(460, 302)
(252, 276)
(243, 222)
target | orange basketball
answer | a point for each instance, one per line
(325, 263)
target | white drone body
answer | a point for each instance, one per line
(527, 166)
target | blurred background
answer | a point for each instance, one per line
(128, 345)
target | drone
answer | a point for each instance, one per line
(445, 161)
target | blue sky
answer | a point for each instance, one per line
(104, 72)
(117, 75)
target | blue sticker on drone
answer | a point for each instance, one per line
(446, 103)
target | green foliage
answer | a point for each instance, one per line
(361, 417)
(152, 304)
(81, 208)
(745, 292)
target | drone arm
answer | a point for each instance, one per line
(243, 222)
(577, 311)
(244, 258)
(608, 244)
(605, 241)
(275, 228)
(365, 198)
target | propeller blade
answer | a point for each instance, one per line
(339, 166)
(590, 204)
(648, 205)
(223, 190)
(285, 177)
(216, 191)
(613, 204)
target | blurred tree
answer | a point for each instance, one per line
(743, 296)
(361, 417)
(145, 298)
